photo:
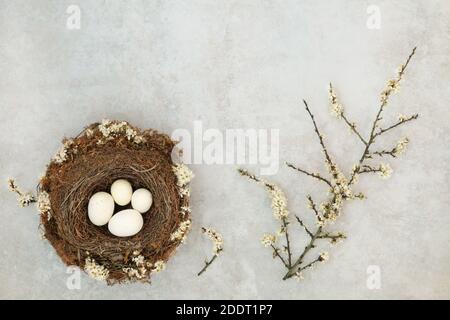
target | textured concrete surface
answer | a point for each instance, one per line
(236, 64)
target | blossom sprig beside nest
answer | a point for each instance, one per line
(217, 240)
(24, 198)
(89, 163)
(340, 186)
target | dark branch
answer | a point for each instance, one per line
(314, 175)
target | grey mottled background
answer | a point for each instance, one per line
(235, 64)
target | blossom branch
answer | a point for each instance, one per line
(391, 88)
(340, 186)
(24, 198)
(338, 110)
(217, 241)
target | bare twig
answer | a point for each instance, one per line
(314, 175)
(207, 264)
(352, 127)
(276, 252)
(304, 226)
(403, 121)
(288, 243)
(319, 135)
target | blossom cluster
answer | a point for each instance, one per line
(184, 175)
(141, 269)
(392, 86)
(268, 240)
(336, 108)
(340, 191)
(400, 147)
(279, 201)
(216, 239)
(111, 129)
(24, 198)
(182, 231)
(95, 270)
(159, 266)
(385, 171)
(63, 152)
(43, 204)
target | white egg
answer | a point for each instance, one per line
(141, 200)
(100, 208)
(126, 223)
(121, 192)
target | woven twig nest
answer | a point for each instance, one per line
(89, 163)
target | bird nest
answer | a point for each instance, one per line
(91, 162)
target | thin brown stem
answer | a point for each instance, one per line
(383, 130)
(293, 270)
(309, 265)
(331, 236)
(352, 127)
(319, 135)
(288, 244)
(276, 252)
(207, 264)
(314, 175)
(304, 226)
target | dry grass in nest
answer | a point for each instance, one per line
(90, 163)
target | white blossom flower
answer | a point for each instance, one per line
(339, 192)
(279, 202)
(181, 232)
(185, 210)
(89, 133)
(402, 117)
(139, 260)
(94, 270)
(268, 240)
(61, 154)
(401, 146)
(159, 266)
(183, 173)
(336, 108)
(392, 86)
(138, 139)
(385, 171)
(111, 129)
(138, 273)
(26, 199)
(43, 204)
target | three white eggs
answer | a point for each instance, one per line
(124, 223)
